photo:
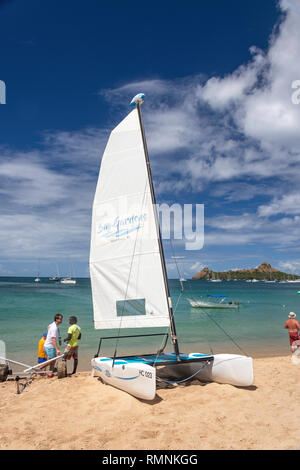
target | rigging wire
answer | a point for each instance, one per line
(225, 332)
(160, 379)
(212, 319)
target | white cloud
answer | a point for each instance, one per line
(196, 266)
(251, 129)
(233, 223)
(287, 204)
(47, 198)
(222, 92)
(290, 266)
(233, 138)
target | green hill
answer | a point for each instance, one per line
(263, 272)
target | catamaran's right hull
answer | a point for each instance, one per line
(230, 369)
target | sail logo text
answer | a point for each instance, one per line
(177, 221)
(2, 92)
(121, 226)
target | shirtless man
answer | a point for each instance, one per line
(294, 327)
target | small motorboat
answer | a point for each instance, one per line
(68, 280)
(215, 301)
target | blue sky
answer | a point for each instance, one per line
(222, 129)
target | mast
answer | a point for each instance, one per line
(138, 100)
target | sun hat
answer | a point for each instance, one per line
(292, 315)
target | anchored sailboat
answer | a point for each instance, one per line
(38, 279)
(128, 272)
(55, 278)
(69, 280)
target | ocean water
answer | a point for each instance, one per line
(256, 328)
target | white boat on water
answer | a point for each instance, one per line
(55, 278)
(217, 301)
(38, 279)
(129, 278)
(68, 280)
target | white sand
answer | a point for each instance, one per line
(79, 412)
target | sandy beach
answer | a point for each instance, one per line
(80, 412)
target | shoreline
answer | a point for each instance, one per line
(86, 357)
(88, 415)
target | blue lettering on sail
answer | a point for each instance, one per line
(121, 226)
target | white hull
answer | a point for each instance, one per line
(139, 379)
(233, 369)
(200, 304)
(68, 281)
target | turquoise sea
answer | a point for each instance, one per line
(257, 327)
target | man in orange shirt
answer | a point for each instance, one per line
(294, 327)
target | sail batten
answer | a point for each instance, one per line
(125, 265)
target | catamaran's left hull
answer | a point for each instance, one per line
(136, 378)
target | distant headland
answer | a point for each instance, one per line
(263, 272)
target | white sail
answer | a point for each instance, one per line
(125, 265)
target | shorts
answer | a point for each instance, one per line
(41, 360)
(293, 337)
(51, 352)
(72, 352)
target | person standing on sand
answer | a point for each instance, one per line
(42, 357)
(74, 334)
(294, 327)
(50, 346)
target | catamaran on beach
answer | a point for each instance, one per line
(128, 273)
